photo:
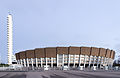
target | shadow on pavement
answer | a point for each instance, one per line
(14, 76)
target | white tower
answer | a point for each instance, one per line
(9, 38)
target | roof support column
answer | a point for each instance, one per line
(51, 61)
(90, 60)
(98, 60)
(21, 62)
(79, 60)
(57, 60)
(85, 60)
(46, 61)
(41, 59)
(63, 60)
(111, 62)
(36, 62)
(32, 61)
(69, 60)
(107, 61)
(74, 60)
(24, 62)
(104, 60)
(94, 59)
(101, 62)
(27, 62)
(17, 61)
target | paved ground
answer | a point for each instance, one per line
(61, 74)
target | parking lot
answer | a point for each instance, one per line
(61, 74)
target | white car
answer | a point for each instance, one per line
(65, 68)
(15, 66)
(46, 67)
(116, 68)
(94, 68)
(80, 68)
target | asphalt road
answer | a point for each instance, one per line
(61, 74)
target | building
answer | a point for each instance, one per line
(70, 56)
(9, 38)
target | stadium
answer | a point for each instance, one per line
(66, 56)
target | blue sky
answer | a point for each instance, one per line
(44, 23)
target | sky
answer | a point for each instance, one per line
(51, 23)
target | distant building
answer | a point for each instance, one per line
(10, 57)
(62, 56)
(9, 38)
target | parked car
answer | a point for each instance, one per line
(65, 68)
(80, 68)
(15, 67)
(46, 67)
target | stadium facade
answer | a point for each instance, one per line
(70, 56)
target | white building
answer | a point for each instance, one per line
(9, 39)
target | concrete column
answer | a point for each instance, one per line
(74, 60)
(94, 60)
(41, 59)
(21, 62)
(89, 61)
(79, 60)
(24, 62)
(111, 62)
(107, 61)
(32, 61)
(84, 60)
(57, 60)
(46, 60)
(36, 62)
(69, 60)
(17, 61)
(63, 60)
(100, 61)
(27, 62)
(51, 61)
(98, 58)
(102, 58)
